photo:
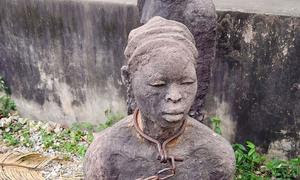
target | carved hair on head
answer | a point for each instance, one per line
(157, 35)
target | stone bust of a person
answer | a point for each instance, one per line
(160, 141)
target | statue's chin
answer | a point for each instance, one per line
(173, 118)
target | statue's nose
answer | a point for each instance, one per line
(173, 94)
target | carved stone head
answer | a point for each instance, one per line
(161, 70)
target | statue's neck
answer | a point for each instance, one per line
(155, 131)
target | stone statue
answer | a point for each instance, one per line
(160, 140)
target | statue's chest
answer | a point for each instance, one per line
(141, 162)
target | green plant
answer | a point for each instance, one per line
(7, 105)
(248, 161)
(10, 139)
(25, 138)
(83, 131)
(90, 137)
(47, 139)
(216, 124)
(15, 127)
(70, 140)
(282, 169)
(81, 150)
(251, 165)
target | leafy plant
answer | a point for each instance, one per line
(15, 127)
(216, 124)
(84, 131)
(248, 161)
(90, 137)
(10, 139)
(281, 169)
(7, 105)
(251, 165)
(47, 139)
(25, 139)
(81, 150)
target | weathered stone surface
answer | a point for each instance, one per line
(255, 80)
(62, 59)
(200, 18)
(161, 69)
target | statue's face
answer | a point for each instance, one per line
(164, 89)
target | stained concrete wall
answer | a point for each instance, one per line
(255, 85)
(62, 59)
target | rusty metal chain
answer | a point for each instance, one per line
(162, 151)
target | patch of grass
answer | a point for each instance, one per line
(248, 161)
(252, 165)
(47, 139)
(81, 150)
(68, 140)
(90, 137)
(25, 138)
(83, 131)
(10, 139)
(284, 169)
(216, 124)
(7, 105)
(16, 131)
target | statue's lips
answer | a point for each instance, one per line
(173, 117)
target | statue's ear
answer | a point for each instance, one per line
(125, 75)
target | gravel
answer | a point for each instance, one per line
(67, 166)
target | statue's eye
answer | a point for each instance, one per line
(188, 81)
(157, 83)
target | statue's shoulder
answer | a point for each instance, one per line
(201, 132)
(118, 133)
(204, 135)
(108, 148)
(212, 146)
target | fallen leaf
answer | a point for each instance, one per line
(20, 166)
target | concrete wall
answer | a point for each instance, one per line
(255, 85)
(62, 59)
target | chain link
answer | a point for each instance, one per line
(163, 154)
